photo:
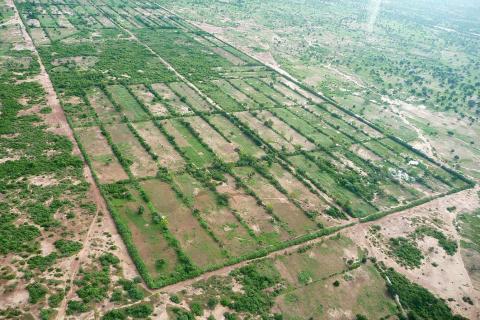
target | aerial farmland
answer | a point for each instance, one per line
(152, 169)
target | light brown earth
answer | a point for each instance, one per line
(142, 163)
(270, 136)
(254, 216)
(167, 155)
(286, 131)
(148, 99)
(104, 162)
(450, 279)
(224, 149)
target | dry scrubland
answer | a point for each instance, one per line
(149, 169)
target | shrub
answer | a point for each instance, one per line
(139, 311)
(68, 248)
(212, 303)
(46, 314)
(416, 299)
(76, 306)
(160, 264)
(36, 292)
(405, 252)
(108, 259)
(304, 277)
(55, 299)
(196, 309)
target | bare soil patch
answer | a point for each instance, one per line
(148, 99)
(255, 216)
(271, 137)
(282, 207)
(193, 238)
(286, 131)
(167, 155)
(450, 279)
(142, 163)
(104, 162)
(224, 149)
(103, 107)
(170, 97)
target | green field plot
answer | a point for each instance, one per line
(364, 293)
(319, 124)
(249, 71)
(363, 180)
(310, 202)
(266, 229)
(234, 134)
(306, 94)
(105, 21)
(194, 100)
(222, 99)
(435, 170)
(289, 93)
(140, 162)
(294, 218)
(236, 94)
(39, 37)
(258, 96)
(154, 105)
(338, 123)
(224, 149)
(220, 219)
(103, 107)
(286, 131)
(128, 105)
(47, 21)
(229, 56)
(328, 184)
(112, 13)
(355, 122)
(188, 143)
(125, 60)
(176, 103)
(194, 240)
(189, 57)
(168, 157)
(56, 34)
(314, 135)
(406, 171)
(267, 134)
(159, 258)
(104, 162)
(266, 87)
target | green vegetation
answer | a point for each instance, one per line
(419, 302)
(68, 247)
(450, 246)
(405, 252)
(469, 226)
(139, 311)
(36, 292)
